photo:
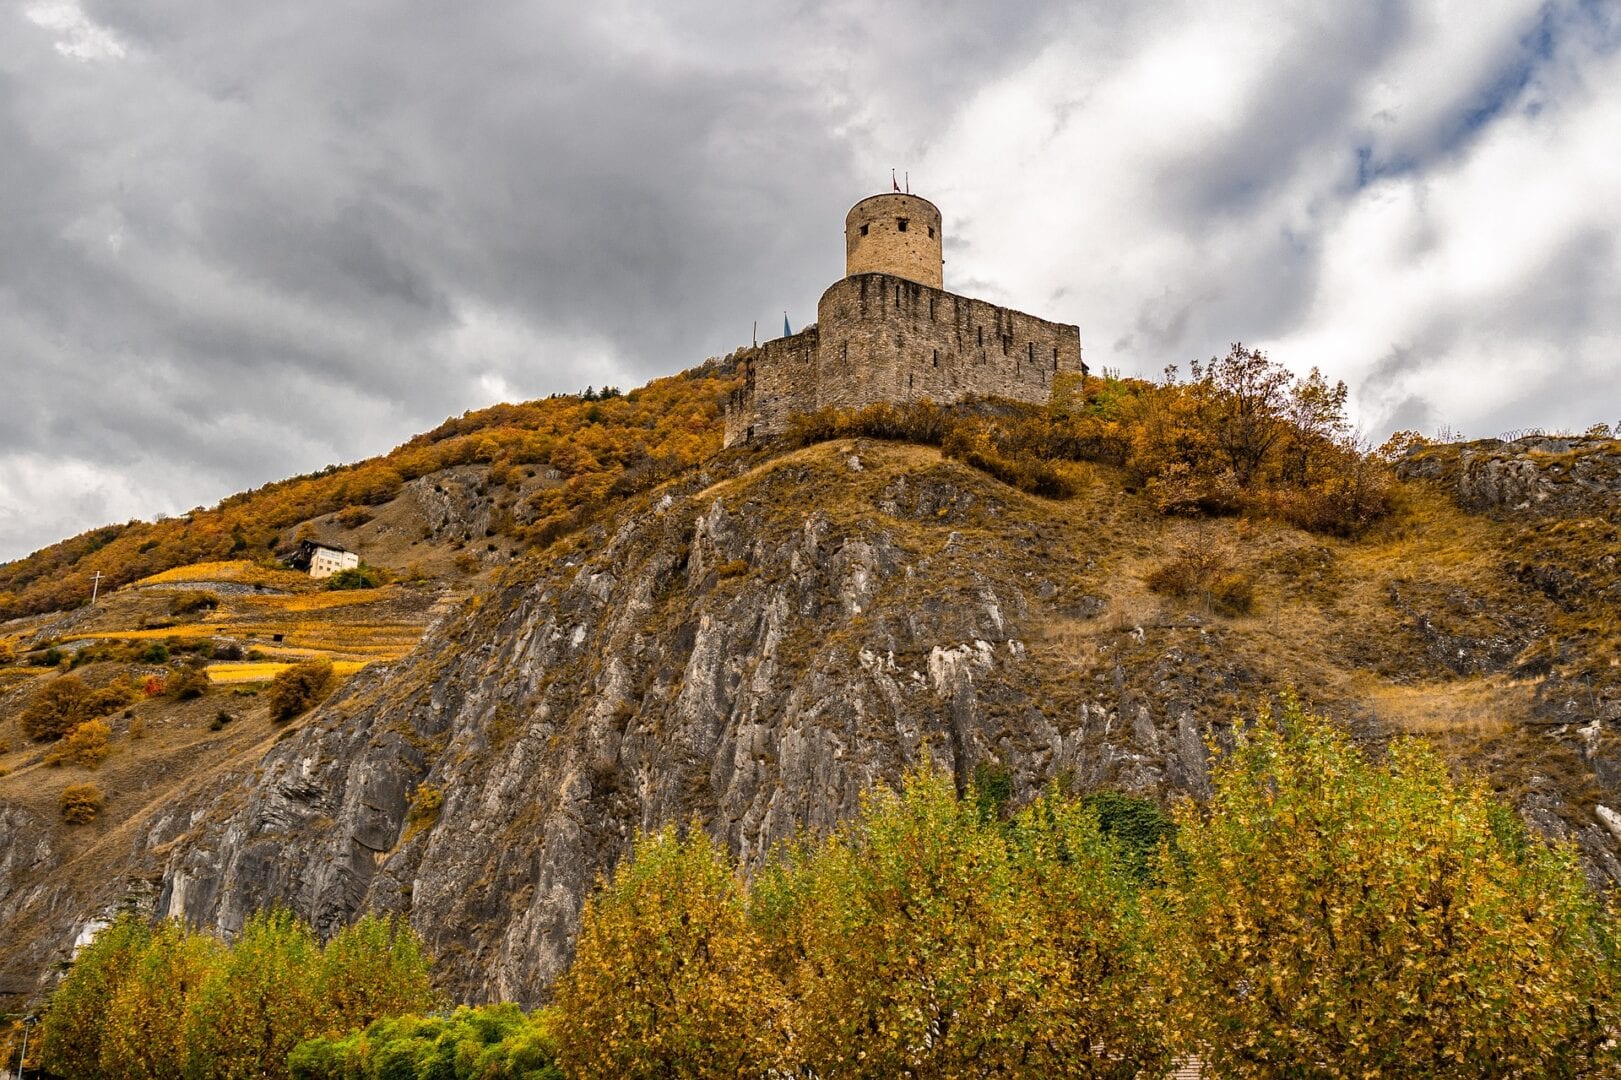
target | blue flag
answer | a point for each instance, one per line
(785, 331)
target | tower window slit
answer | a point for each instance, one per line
(931, 232)
(900, 223)
(1055, 358)
(1031, 348)
(937, 358)
(863, 230)
(980, 330)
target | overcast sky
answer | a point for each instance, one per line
(244, 240)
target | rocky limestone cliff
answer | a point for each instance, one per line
(737, 653)
(756, 645)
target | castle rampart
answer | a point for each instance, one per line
(890, 337)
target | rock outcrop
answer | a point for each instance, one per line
(1534, 475)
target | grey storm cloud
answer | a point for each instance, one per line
(239, 241)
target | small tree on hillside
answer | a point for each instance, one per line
(299, 688)
(1250, 395)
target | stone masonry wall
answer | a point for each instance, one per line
(880, 338)
(778, 381)
(888, 339)
(875, 243)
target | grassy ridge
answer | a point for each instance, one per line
(595, 449)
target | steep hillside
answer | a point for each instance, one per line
(460, 499)
(756, 642)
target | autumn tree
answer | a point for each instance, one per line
(58, 707)
(905, 944)
(1317, 424)
(191, 681)
(373, 968)
(299, 688)
(85, 746)
(1330, 915)
(263, 1001)
(143, 1035)
(1097, 1014)
(75, 1019)
(669, 975)
(80, 803)
(1248, 394)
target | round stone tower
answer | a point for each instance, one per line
(894, 234)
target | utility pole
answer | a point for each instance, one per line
(22, 1062)
(95, 586)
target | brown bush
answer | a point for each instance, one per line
(66, 702)
(190, 601)
(1207, 573)
(299, 688)
(189, 682)
(80, 803)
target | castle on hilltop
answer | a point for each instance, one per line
(888, 332)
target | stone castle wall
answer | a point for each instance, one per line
(882, 338)
(778, 381)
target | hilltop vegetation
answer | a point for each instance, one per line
(551, 465)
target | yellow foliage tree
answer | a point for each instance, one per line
(669, 975)
(75, 1020)
(143, 1033)
(1330, 916)
(85, 746)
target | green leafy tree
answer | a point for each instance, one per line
(491, 1042)
(143, 1033)
(356, 577)
(75, 1021)
(1331, 916)
(668, 977)
(265, 1000)
(374, 968)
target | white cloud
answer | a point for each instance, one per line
(82, 39)
(293, 234)
(1176, 185)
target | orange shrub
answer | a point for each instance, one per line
(80, 803)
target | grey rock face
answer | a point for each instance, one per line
(1534, 475)
(741, 657)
